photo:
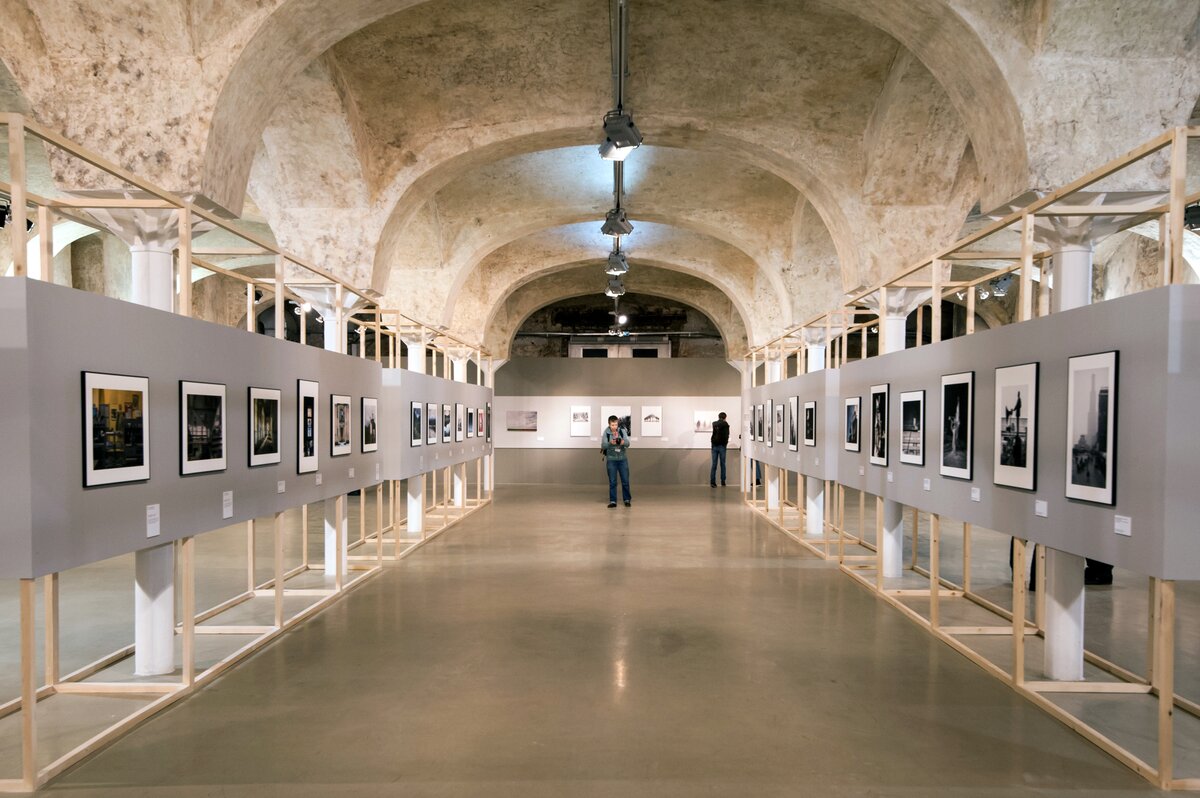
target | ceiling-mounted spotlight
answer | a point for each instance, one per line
(621, 136)
(618, 264)
(1001, 285)
(622, 319)
(984, 293)
(615, 287)
(961, 295)
(615, 223)
(1191, 217)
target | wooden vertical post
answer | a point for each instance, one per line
(277, 535)
(1026, 298)
(935, 551)
(1179, 142)
(18, 236)
(45, 227)
(1018, 619)
(921, 325)
(916, 536)
(184, 273)
(1151, 628)
(878, 542)
(339, 313)
(187, 563)
(251, 559)
(935, 303)
(883, 342)
(250, 307)
(379, 521)
(362, 508)
(971, 310)
(29, 769)
(51, 643)
(281, 300)
(1039, 581)
(304, 534)
(1164, 676)
(966, 557)
(841, 524)
(339, 542)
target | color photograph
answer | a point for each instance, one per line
(912, 427)
(116, 440)
(264, 426)
(202, 427)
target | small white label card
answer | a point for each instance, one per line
(153, 521)
(862, 470)
(976, 495)
(281, 486)
(891, 477)
(1040, 508)
(351, 473)
(227, 504)
(378, 472)
(1123, 525)
(319, 480)
(925, 484)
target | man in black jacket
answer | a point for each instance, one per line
(719, 440)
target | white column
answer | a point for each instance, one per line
(416, 504)
(154, 611)
(152, 280)
(332, 551)
(893, 512)
(771, 475)
(1063, 660)
(459, 366)
(814, 489)
(774, 370)
(460, 485)
(417, 353)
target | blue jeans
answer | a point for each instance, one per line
(616, 467)
(718, 453)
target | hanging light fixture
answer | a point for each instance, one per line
(616, 223)
(621, 136)
(618, 264)
(615, 287)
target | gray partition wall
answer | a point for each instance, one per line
(1157, 445)
(50, 335)
(551, 386)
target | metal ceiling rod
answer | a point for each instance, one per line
(618, 15)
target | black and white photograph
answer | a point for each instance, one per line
(307, 425)
(879, 425)
(417, 426)
(339, 425)
(770, 437)
(651, 421)
(810, 423)
(460, 422)
(581, 421)
(702, 421)
(470, 422)
(1092, 428)
(758, 423)
(1015, 444)
(779, 422)
(431, 423)
(853, 416)
(264, 426)
(793, 423)
(624, 414)
(487, 427)
(116, 440)
(958, 424)
(521, 420)
(912, 427)
(479, 422)
(448, 423)
(201, 427)
(370, 424)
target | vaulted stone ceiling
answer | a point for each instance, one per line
(443, 151)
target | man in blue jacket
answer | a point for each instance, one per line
(614, 444)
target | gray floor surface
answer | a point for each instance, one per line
(548, 646)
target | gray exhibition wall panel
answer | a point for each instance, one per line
(400, 389)
(49, 335)
(579, 467)
(1157, 335)
(678, 421)
(617, 377)
(819, 461)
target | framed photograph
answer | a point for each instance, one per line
(770, 413)
(488, 425)
(758, 423)
(201, 427)
(1015, 444)
(116, 436)
(447, 423)
(879, 425)
(793, 423)
(912, 427)
(479, 422)
(779, 422)
(853, 408)
(431, 423)
(810, 423)
(460, 423)
(416, 432)
(1092, 428)
(470, 422)
(339, 425)
(651, 421)
(958, 403)
(307, 425)
(581, 421)
(702, 421)
(265, 405)
(624, 414)
(369, 413)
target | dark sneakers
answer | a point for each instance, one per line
(626, 504)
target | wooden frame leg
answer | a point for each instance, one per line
(187, 567)
(379, 523)
(251, 558)
(29, 770)
(1018, 614)
(277, 534)
(935, 545)
(304, 535)
(50, 602)
(1164, 680)
(966, 557)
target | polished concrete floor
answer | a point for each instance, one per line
(548, 646)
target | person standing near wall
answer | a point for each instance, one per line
(614, 444)
(720, 442)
